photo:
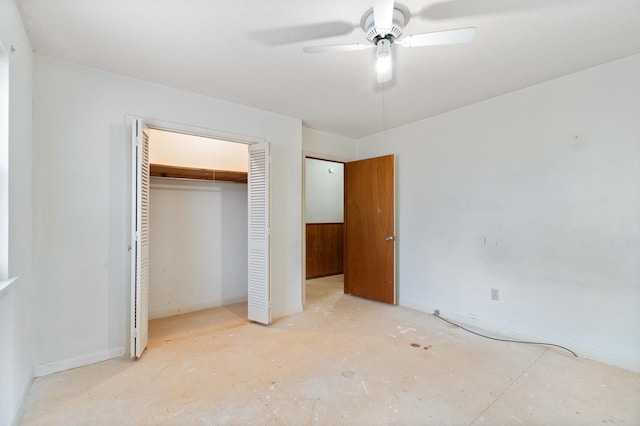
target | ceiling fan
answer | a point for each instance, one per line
(383, 24)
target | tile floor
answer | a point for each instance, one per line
(344, 360)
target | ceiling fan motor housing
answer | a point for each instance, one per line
(400, 18)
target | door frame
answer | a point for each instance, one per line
(316, 156)
(169, 126)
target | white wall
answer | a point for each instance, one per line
(536, 194)
(16, 301)
(4, 161)
(195, 151)
(198, 245)
(324, 191)
(82, 200)
(327, 145)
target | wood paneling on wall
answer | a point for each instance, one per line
(325, 249)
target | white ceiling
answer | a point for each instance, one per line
(250, 51)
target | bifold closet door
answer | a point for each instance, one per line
(140, 240)
(259, 292)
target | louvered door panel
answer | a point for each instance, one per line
(140, 243)
(259, 308)
(143, 313)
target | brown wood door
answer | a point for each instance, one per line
(370, 229)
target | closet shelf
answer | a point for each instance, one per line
(162, 170)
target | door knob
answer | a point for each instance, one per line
(390, 238)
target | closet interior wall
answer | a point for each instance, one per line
(198, 228)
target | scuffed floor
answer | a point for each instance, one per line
(344, 360)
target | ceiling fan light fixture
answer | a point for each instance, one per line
(383, 64)
(383, 48)
(383, 24)
(386, 74)
(383, 53)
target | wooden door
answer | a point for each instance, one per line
(370, 229)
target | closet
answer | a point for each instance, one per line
(197, 223)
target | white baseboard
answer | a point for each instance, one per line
(510, 332)
(80, 361)
(197, 307)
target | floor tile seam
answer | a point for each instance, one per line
(509, 386)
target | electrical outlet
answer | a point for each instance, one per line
(495, 294)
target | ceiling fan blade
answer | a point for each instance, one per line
(298, 33)
(466, 8)
(336, 48)
(461, 35)
(383, 15)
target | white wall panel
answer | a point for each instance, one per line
(179, 149)
(536, 194)
(324, 144)
(324, 191)
(17, 335)
(198, 245)
(82, 207)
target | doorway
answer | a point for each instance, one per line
(198, 223)
(324, 217)
(367, 230)
(257, 221)
(323, 222)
